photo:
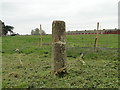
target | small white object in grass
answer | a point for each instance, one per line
(81, 59)
(83, 62)
(17, 50)
(81, 55)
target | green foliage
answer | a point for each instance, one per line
(7, 29)
(100, 70)
(37, 32)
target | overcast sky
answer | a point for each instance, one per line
(26, 15)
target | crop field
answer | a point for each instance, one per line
(30, 66)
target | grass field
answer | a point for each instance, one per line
(100, 69)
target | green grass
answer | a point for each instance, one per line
(104, 40)
(100, 70)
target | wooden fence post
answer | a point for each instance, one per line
(58, 47)
(96, 39)
(40, 36)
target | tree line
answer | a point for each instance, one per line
(36, 31)
(5, 29)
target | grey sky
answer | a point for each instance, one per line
(26, 15)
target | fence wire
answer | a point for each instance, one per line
(104, 40)
(32, 43)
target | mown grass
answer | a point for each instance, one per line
(104, 40)
(26, 43)
(100, 69)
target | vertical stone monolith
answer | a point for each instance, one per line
(58, 47)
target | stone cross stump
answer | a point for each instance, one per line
(58, 47)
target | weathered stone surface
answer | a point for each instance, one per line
(58, 46)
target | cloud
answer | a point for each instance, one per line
(26, 15)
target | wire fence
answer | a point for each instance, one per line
(31, 43)
(104, 40)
